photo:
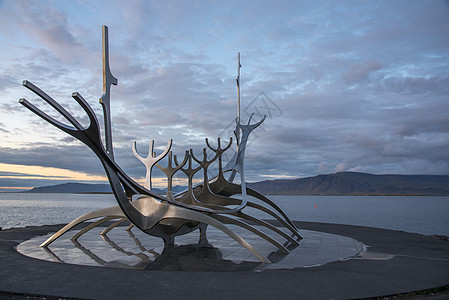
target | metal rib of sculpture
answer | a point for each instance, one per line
(208, 203)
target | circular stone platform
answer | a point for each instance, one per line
(136, 250)
(392, 263)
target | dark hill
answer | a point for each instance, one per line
(76, 188)
(352, 183)
(73, 188)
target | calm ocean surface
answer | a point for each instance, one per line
(425, 215)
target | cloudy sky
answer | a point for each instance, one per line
(346, 85)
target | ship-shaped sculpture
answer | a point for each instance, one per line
(209, 203)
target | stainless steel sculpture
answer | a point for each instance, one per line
(208, 203)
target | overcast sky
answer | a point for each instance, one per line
(346, 85)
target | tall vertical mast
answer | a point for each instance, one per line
(237, 126)
(105, 99)
(238, 87)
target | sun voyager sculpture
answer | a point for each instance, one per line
(209, 203)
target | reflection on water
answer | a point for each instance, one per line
(136, 250)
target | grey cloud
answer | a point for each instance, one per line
(67, 140)
(361, 87)
(420, 85)
(51, 28)
(3, 128)
(76, 158)
(360, 72)
(7, 81)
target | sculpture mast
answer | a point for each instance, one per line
(237, 129)
(105, 99)
(242, 140)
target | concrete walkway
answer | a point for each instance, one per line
(394, 263)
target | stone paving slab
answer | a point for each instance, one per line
(394, 263)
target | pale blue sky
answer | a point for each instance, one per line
(355, 85)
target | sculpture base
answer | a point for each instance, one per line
(137, 250)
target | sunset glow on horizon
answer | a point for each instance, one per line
(20, 172)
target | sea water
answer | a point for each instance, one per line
(420, 214)
(30, 209)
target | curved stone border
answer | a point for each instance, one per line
(404, 262)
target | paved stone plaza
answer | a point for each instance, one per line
(393, 262)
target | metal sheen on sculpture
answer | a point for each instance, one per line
(208, 203)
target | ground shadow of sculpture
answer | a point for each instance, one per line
(209, 203)
(191, 257)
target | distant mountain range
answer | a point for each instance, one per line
(87, 188)
(343, 183)
(73, 188)
(353, 183)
